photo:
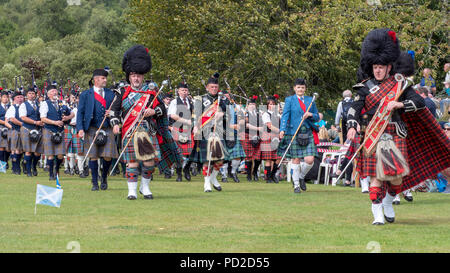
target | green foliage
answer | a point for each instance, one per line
(270, 43)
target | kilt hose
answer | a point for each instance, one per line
(107, 150)
(27, 145)
(268, 152)
(71, 140)
(14, 141)
(51, 148)
(185, 148)
(4, 141)
(367, 164)
(251, 152)
(297, 151)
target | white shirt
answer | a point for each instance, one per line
(73, 121)
(43, 109)
(23, 108)
(11, 112)
(173, 107)
(266, 117)
(99, 91)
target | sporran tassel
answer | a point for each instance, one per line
(391, 164)
(143, 146)
(215, 149)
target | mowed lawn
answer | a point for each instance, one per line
(244, 217)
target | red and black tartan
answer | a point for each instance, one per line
(185, 148)
(250, 151)
(367, 164)
(267, 151)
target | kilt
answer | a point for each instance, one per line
(250, 151)
(107, 150)
(4, 141)
(27, 145)
(14, 141)
(297, 151)
(267, 151)
(198, 153)
(232, 153)
(367, 164)
(185, 148)
(71, 140)
(51, 148)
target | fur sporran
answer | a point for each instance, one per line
(391, 164)
(143, 146)
(4, 132)
(214, 149)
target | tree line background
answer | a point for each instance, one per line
(251, 43)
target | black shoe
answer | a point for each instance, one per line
(255, 177)
(67, 171)
(187, 174)
(389, 219)
(396, 203)
(34, 172)
(150, 196)
(219, 188)
(377, 223)
(83, 175)
(297, 190)
(46, 169)
(347, 184)
(224, 180)
(249, 178)
(52, 177)
(131, 197)
(275, 178)
(179, 178)
(94, 187)
(408, 198)
(235, 178)
(167, 176)
(86, 172)
(302, 184)
(104, 184)
(72, 172)
(29, 174)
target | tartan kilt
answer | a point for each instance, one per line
(267, 151)
(185, 148)
(156, 146)
(51, 148)
(250, 151)
(107, 150)
(72, 141)
(232, 153)
(14, 141)
(198, 153)
(4, 141)
(367, 164)
(27, 145)
(297, 151)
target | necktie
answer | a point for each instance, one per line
(184, 102)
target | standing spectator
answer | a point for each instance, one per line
(445, 102)
(342, 111)
(429, 103)
(428, 80)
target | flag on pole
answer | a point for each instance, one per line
(2, 166)
(49, 196)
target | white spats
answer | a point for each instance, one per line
(132, 187)
(377, 211)
(387, 207)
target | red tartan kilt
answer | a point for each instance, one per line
(250, 151)
(185, 148)
(367, 164)
(266, 151)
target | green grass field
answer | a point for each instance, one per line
(244, 217)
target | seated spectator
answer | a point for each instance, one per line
(427, 80)
(333, 134)
(429, 103)
(323, 134)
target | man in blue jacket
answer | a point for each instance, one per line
(303, 145)
(92, 108)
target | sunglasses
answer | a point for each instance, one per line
(447, 129)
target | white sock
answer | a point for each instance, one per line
(387, 205)
(132, 186)
(71, 161)
(66, 162)
(213, 178)
(305, 169)
(224, 170)
(296, 174)
(79, 161)
(207, 184)
(145, 189)
(396, 198)
(235, 165)
(365, 184)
